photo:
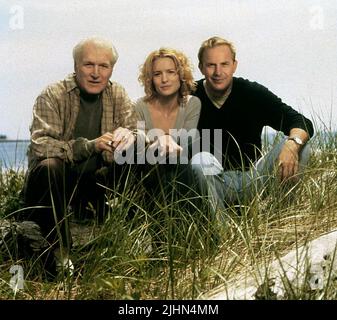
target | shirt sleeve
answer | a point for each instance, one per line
(281, 116)
(193, 108)
(189, 132)
(47, 129)
(142, 120)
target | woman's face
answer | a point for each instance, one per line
(165, 77)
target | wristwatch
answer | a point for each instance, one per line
(297, 140)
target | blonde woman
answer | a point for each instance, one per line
(168, 111)
(167, 105)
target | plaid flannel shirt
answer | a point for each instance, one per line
(54, 117)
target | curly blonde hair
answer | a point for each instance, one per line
(184, 68)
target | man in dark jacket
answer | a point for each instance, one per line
(233, 114)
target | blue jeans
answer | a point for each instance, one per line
(237, 187)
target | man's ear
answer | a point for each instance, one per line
(235, 65)
(200, 67)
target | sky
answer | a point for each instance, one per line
(288, 46)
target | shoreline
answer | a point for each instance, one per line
(14, 140)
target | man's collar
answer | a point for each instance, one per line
(218, 101)
(70, 82)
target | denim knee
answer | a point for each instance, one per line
(204, 163)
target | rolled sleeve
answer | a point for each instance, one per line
(46, 131)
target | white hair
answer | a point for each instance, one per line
(98, 42)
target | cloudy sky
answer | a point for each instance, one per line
(289, 46)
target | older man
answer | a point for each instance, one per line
(234, 111)
(78, 124)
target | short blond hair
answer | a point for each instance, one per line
(215, 42)
(184, 69)
(98, 42)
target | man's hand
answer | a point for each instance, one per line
(103, 143)
(288, 161)
(120, 140)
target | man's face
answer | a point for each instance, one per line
(93, 69)
(218, 68)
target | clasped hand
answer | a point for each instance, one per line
(166, 145)
(119, 140)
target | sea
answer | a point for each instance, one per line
(13, 154)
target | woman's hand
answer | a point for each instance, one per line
(166, 145)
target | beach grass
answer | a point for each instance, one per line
(174, 251)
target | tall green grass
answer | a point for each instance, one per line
(168, 250)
